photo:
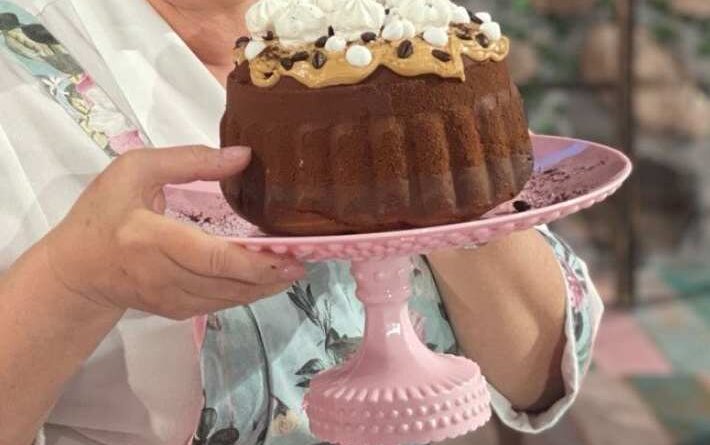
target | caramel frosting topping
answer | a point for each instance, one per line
(315, 67)
(322, 43)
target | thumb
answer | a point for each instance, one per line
(180, 165)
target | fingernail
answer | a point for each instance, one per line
(236, 152)
(292, 272)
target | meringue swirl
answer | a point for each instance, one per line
(355, 17)
(300, 21)
(260, 16)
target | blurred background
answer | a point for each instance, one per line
(633, 74)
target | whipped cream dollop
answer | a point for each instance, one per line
(436, 36)
(358, 56)
(426, 13)
(254, 48)
(260, 16)
(459, 14)
(484, 17)
(335, 44)
(355, 17)
(300, 21)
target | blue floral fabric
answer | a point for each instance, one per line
(33, 47)
(258, 360)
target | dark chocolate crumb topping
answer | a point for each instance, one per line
(242, 41)
(300, 56)
(319, 59)
(368, 36)
(331, 31)
(483, 40)
(320, 43)
(405, 49)
(287, 63)
(441, 55)
(522, 206)
(269, 36)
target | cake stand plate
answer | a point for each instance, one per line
(393, 390)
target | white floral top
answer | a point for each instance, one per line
(257, 361)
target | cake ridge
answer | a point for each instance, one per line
(389, 153)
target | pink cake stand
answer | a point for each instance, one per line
(394, 390)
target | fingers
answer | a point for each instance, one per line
(181, 304)
(158, 285)
(179, 165)
(223, 289)
(210, 256)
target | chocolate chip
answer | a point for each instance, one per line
(473, 17)
(483, 40)
(242, 41)
(368, 36)
(268, 75)
(331, 31)
(405, 49)
(300, 56)
(387, 11)
(287, 63)
(320, 43)
(441, 55)
(522, 206)
(319, 59)
(464, 36)
(269, 36)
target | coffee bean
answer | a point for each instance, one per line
(287, 63)
(405, 49)
(368, 36)
(483, 40)
(319, 59)
(300, 56)
(522, 206)
(269, 36)
(441, 55)
(473, 17)
(331, 31)
(242, 41)
(464, 36)
(320, 43)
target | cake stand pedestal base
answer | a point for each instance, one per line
(394, 390)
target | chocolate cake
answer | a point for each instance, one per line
(368, 125)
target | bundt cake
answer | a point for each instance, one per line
(368, 117)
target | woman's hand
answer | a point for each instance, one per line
(116, 249)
